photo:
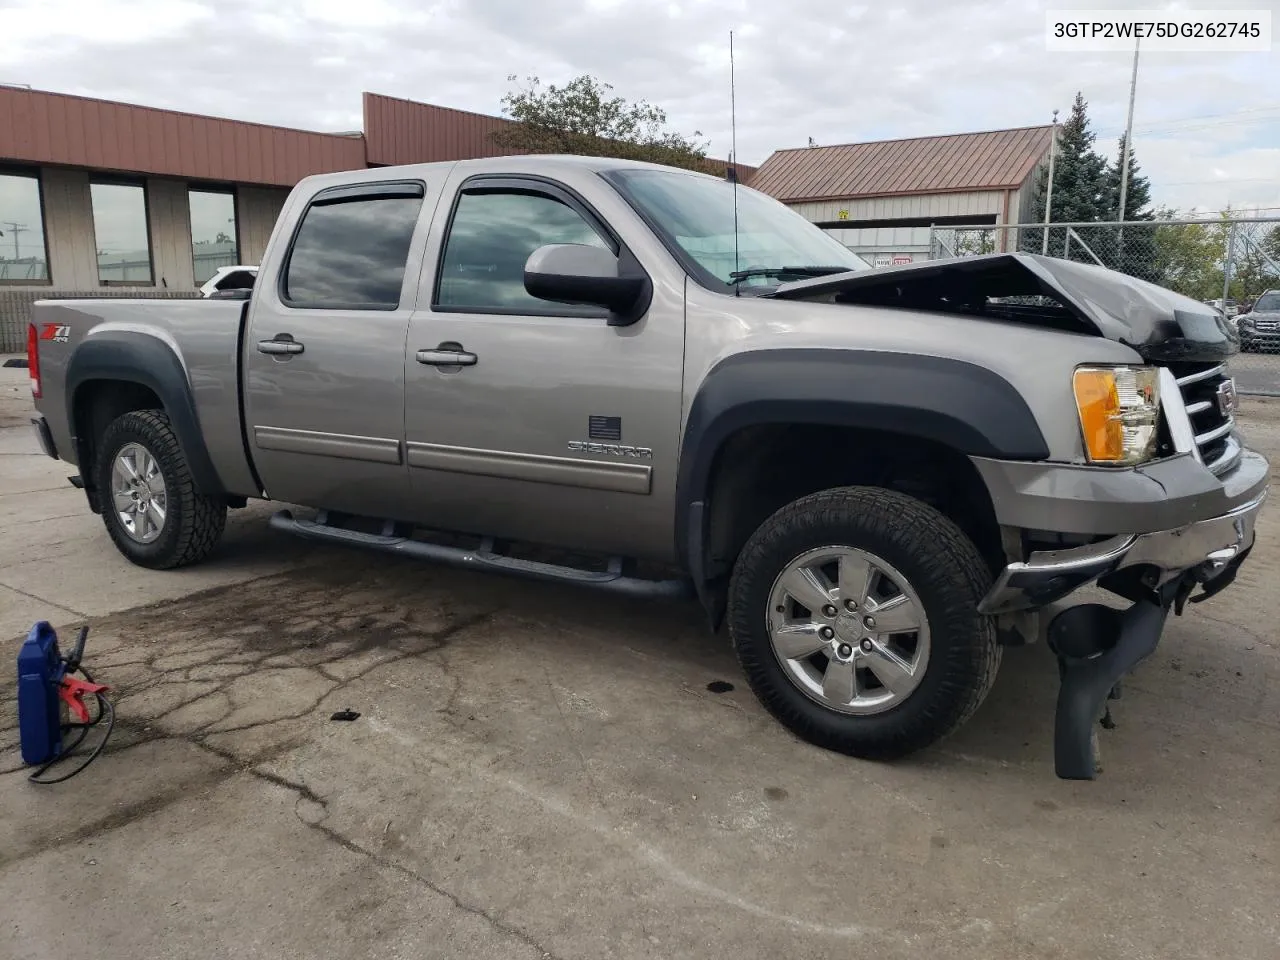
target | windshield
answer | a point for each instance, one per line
(696, 215)
(1268, 303)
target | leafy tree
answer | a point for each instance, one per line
(1255, 264)
(1190, 256)
(582, 117)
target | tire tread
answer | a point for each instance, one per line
(961, 578)
(201, 519)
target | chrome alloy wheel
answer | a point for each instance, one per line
(849, 630)
(138, 493)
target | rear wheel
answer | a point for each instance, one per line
(149, 502)
(854, 615)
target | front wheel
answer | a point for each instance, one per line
(149, 502)
(854, 615)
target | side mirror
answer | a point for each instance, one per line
(580, 273)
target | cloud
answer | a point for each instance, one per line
(806, 68)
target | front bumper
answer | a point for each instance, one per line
(1211, 545)
(1178, 518)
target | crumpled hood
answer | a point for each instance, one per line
(1162, 326)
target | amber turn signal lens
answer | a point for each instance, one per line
(1119, 413)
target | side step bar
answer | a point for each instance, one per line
(484, 558)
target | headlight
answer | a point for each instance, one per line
(1119, 413)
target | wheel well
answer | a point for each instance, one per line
(761, 469)
(96, 404)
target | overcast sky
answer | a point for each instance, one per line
(1207, 125)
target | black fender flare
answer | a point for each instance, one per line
(148, 361)
(959, 404)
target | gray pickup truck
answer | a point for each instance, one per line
(674, 384)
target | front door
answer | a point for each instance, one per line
(531, 420)
(324, 354)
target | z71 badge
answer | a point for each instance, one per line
(613, 449)
(57, 332)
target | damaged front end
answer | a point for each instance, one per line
(1153, 533)
(1160, 325)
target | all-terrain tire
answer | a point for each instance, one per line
(945, 570)
(193, 523)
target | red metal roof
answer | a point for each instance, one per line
(992, 160)
(57, 128)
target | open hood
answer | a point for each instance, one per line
(1161, 325)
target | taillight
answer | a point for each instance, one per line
(33, 359)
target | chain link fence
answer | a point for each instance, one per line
(1230, 264)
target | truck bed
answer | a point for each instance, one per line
(204, 335)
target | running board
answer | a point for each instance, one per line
(484, 558)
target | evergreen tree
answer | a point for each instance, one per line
(1079, 182)
(1079, 174)
(1133, 249)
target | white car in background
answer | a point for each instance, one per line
(237, 277)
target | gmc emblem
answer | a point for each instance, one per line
(1227, 398)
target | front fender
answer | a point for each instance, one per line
(956, 403)
(131, 357)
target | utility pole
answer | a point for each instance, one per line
(15, 229)
(1048, 197)
(1128, 135)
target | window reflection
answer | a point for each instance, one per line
(120, 231)
(492, 236)
(213, 232)
(22, 250)
(352, 253)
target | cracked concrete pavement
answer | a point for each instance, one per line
(542, 772)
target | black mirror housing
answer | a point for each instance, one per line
(580, 273)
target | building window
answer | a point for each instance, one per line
(491, 237)
(352, 253)
(22, 249)
(121, 234)
(213, 232)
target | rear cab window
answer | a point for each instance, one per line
(350, 249)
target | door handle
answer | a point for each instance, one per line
(282, 344)
(448, 354)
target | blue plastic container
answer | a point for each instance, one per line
(39, 709)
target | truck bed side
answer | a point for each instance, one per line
(100, 357)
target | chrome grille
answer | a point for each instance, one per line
(1214, 430)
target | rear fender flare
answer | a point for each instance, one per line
(146, 360)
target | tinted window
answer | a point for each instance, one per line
(491, 238)
(352, 253)
(22, 257)
(213, 232)
(1270, 303)
(120, 231)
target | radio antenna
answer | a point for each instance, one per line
(733, 158)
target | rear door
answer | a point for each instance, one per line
(324, 354)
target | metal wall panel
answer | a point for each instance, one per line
(68, 225)
(894, 208)
(257, 209)
(170, 217)
(54, 128)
